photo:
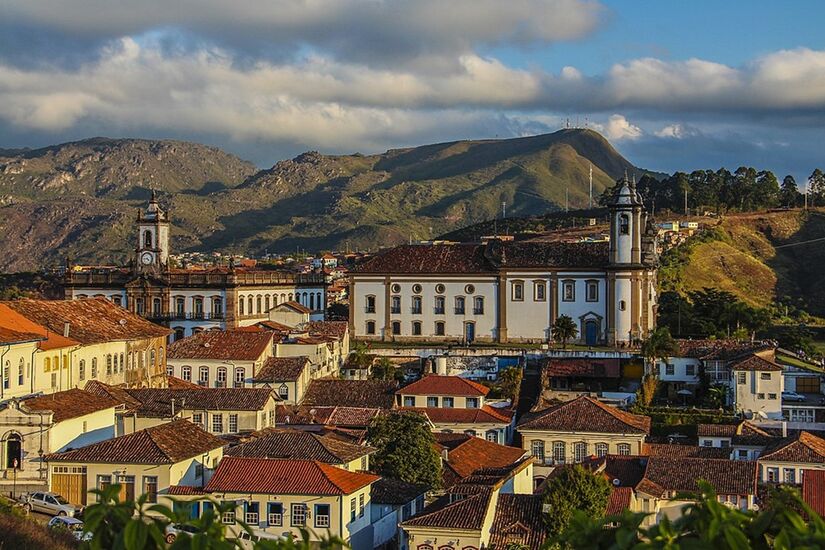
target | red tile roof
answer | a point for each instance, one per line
(468, 513)
(619, 500)
(174, 383)
(16, 328)
(583, 368)
(121, 395)
(585, 414)
(371, 394)
(335, 329)
(728, 477)
(285, 477)
(185, 490)
(91, 320)
(238, 345)
(755, 363)
(298, 444)
(281, 369)
(659, 449)
(167, 443)
(518, 520)
(719, 350)
(70, 404)
(435, 384)
(473, 454)
(296, 306)
(743, 433)
(157, 402)
(813, 490)
(482, 415)
(802, 447)
(396, 492)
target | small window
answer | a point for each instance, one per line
(396, 327)
(409, 401)
(622, 305)
(592, 294)
(623, 449)
(217, 423)
(459, 305)
(760, 396)
(764, 376)
(624, 224)
(670, 370)
(283, 392)
(299, 515)
(197, 419)
(478, 305)
(395, 304)
(447, 402)
(559, 448)
(540, 291)
(233, 423)
(439, 328)
(370, 327)
(537, 449)
(568, 291)
(472, 402)
(690, 370)
(432, 401)
(492, 436)
(601, 449)
(186, 373)
(275, 514)
(416, 305)
(439, 305)
(771, 396)
(416, 328)
(322, 516)
(740, 378)
(370, 306)
(150, 488)
(518, 291)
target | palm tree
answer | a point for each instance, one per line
(659, 345)
(564, 329)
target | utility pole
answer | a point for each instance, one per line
(686, 207)
(591, 186)
(503, 209)
(566, 199)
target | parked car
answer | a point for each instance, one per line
(73, 525)
(792, 396)
(248, 541)
(50, 503)
(173, 530)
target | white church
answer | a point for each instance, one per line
(513, 291)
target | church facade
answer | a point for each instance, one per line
(514, 291)
(191, 300)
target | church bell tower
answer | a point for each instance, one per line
(152, 252)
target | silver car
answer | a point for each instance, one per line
(50, 503)
(73, 525)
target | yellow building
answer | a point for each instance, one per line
(144, 462)
(89, 339)
(280, 496)
(289, 377)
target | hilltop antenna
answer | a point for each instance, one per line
(591, 185)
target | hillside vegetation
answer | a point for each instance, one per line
(80, 198)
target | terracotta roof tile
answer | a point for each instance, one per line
(174, 383)
(583, 368)
(801, 447)
(353, 416)
(166, 443)
(226, 345)
(396, 492)
(15, 329)
(70, 404)
(121, 395)
(335, 329)
(302, 414)
(813, 490)
(696, 451)
(585, 414)
(91, 320)
(728, 477)
(518, 520)
(297, 444)
(468, 513)
(447, 415)
(434, 384)
(281, 369)
(285, 477)
(743, 433)
(473, 454)
(755, 363)
(296, 306)
(374, 394)
(185, 490)
(157, 402)
(719, 350)
(619, 500)
(622, 470)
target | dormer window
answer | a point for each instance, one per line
(624, 224)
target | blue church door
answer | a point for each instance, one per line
(469, 332)
(591, 333)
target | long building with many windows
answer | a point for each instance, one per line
(191, 300)
(514, 291)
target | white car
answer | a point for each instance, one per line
(50, 503)
(792, 396)
(173, 530)
(73, 525)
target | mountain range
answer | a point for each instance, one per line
(80, 198)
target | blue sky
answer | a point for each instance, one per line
(674, 85)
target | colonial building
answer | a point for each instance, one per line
(190, 300)
(513, 291)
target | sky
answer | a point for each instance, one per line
(674, 85)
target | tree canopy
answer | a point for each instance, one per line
(564, 329)
(574, 489)
(405, 448)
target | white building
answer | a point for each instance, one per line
(513, 291)
(191, 300)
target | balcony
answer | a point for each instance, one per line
(478, 311)
(177, 316)
(439, 310)
(415, 310)
(459, 311)
(395, 310)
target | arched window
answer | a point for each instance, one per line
(152, 358)
(559, 452)
(186, 373)
(250, 311)
(203, 376)
(14, 451)
(258, 304)
(94, 367)
(624, 224)
(240, 377)
(266, 302)
(7, 375)
(114, 360)
(20, 372)
(580, 451)
(240, 306)
(179, 332)
(147, 239)
(170, 370)
(122, 366)
(156, 306)
(108, 364)
(312, 302)
(220, 382)
(537, 449)
(601, 449)
(47, 364)
(160, 354)
(274, 299)
(283, 392)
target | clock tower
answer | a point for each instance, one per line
(152, 252)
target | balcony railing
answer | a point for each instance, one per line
(187, 316)
(459, 311)
(478, 311)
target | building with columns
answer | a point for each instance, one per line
(191, 300)
(505, 291)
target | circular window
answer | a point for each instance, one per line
(416, 289)
(396, 288)
(469, 289)
(439, 288)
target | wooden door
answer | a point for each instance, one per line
(71, 486)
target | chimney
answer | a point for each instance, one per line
(65, 329)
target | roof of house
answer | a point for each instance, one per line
(619, 500)
(238, 345)
(175, 383)
(283, 443)
(281, 369)
(485, 258)
(622, 470)
(583, 368)
(91, 320)
(436, 384)
(295, 306)
(585, 414)
(813, 490)
(468, 455)
(662, 474)
(335, 329)
(669, 450)
(330, 392)
(454, 415)
(70, 404)
(121, 395)
(518, 520)
(185, 490)
(19, 328)
(158, 402)
(719, 350)
(351, 417)
(465, 514)
(800, 447)
(166, 443)
(755, 363)
(743, 433)
(285, 477)
(396, 492)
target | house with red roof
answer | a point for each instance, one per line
(457, 405)
(281, 496)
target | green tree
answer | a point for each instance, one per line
(789, 193)
(384, 369)
(509, 382)
(816, 188)
(659, 346)
(405, 448)
(574, 489)
(564, 329)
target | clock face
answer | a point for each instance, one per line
(146, 258)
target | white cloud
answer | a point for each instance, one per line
(677, 131)
(618, 128)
